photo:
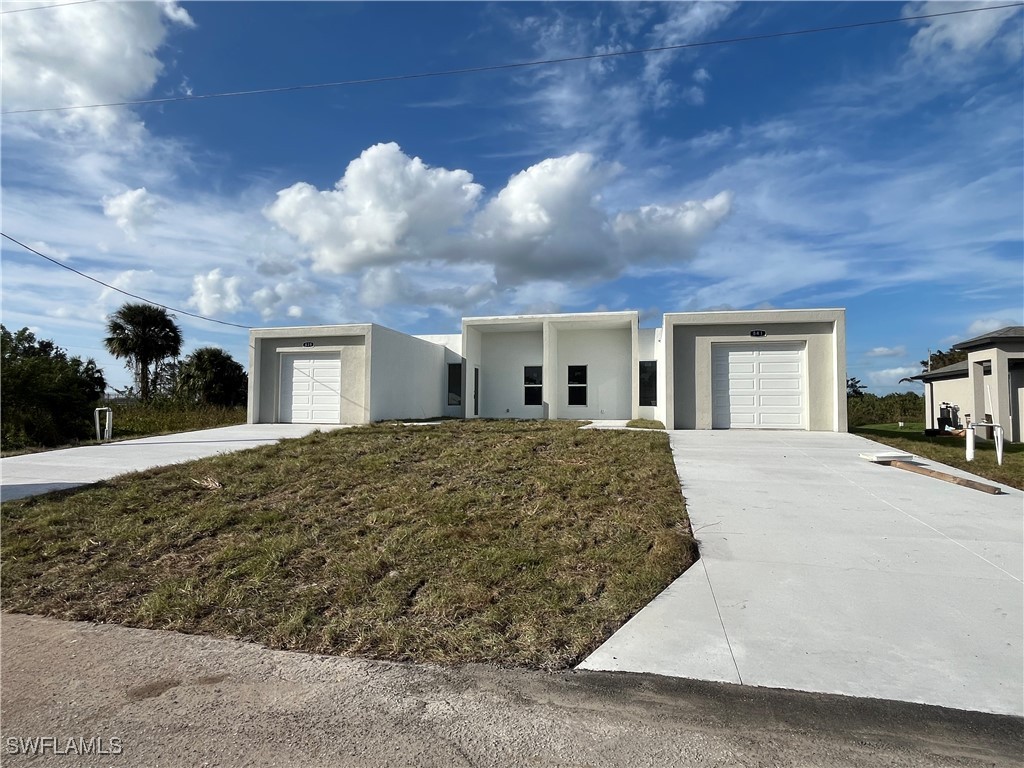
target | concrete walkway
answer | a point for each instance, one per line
(822, 572)
(34, 473)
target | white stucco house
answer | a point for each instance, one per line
(770, 369)
(987, 386)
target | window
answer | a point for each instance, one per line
(454, 383)
(648, 382)
(533, 380)
(577, 385)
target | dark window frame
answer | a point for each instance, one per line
(533, 385)
(649, 393)
(457, 380)
(575, 387)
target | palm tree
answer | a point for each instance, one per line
(212, 377)
(145, 336)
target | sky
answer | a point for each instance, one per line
(880, 169)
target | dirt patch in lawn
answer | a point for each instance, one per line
(519, 543)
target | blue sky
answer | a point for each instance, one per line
(879, 169)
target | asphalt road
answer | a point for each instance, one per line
(178, 700)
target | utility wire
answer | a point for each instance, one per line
(44, 7)
(516, 65)
(115, 288)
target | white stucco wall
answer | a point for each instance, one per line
(502, 359)
(692, 334)
(450, 341)
(408, 375)
(607, 353)
(268, 345)
(954, 391)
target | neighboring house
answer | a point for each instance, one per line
(987, 386)
(770, 369)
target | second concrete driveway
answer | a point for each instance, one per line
(820, 571)
(34, 473)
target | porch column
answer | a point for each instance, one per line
(976, 372)
(549, 383)
(1001, 392)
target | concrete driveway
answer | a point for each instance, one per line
(34, 473)
(822, 572)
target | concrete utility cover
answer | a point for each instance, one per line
(821, 571)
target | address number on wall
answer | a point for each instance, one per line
(307, 343)
(759, 334)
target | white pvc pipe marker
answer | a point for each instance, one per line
(108, 430)
(970, 443)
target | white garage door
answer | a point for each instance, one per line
(758, 386)
(311, 388)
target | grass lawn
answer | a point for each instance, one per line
(132, 420)
(951, 451)
(519, 543)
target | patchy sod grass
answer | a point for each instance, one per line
(952, 451)
(519, 543)
(645, 424)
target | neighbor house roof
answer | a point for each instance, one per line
(1009, 333)
(954, 371)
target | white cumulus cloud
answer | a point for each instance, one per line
(131, 210)
(670, 233)
(83, 54)
(386, 208)
(213, 293)
(283, 296)
(548, 222)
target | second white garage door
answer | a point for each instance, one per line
(311, 388)
(758, 386)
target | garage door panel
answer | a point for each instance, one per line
(792, 401)
(758, 386)
(779, 367)
(744, 420)
(787, 420)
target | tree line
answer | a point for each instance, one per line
(47, 397)
(863, 407)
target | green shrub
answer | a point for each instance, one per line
(46, 397)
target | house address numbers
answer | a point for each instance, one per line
(758, 334)
(307, 343)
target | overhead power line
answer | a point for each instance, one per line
(515, 65)
(44, 7)
(119, 290)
